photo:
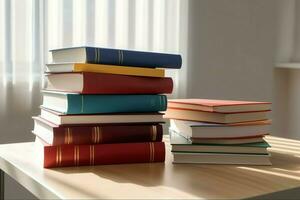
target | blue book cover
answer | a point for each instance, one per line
(70, 103)
(132, 58)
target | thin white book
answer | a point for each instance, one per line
(202, 130)
(60, 118)
(242, 140)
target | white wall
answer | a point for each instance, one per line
(287, 81)
(231, 51)
(230, 54)
(16, 125)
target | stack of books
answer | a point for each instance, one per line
(102, 106)
(219, 131)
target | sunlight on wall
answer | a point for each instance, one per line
(102, 21)
(29, 28)
(79, 22)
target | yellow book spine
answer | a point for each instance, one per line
(123, 70)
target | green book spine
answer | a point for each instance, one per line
(103, 104)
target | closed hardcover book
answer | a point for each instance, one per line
(96, 133)
(132, 118)
(237, 140)
(182, 144)
(214, 117)
(104, 69)
(99, 83)
(116, 57)
(201, 130)
(220, 106)
(72, 103)
(99, 154)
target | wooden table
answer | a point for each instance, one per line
(159, 180)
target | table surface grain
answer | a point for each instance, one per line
(156, 180)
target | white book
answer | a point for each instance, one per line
(202, 130)
(59, 118)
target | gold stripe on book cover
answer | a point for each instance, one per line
(100, 135)
(153, 151)
(94, 134)
(92, 154)
(96, 55)
(154, 132)
(58, 156)
(76, 155)
(70, 141)
(82, 103)
(151, 147)
(66, 136)
(56, 161)
(97, 135)
(150, 152)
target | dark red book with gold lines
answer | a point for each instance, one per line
(96, 133)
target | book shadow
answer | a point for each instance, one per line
(145, 174)
(201, 180)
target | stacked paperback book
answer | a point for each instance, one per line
(219, 131)
(102, 106)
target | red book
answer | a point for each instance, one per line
(97, 83)
(96, 133)
(101, 154)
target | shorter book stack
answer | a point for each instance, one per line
(219, 131)
(102, 106)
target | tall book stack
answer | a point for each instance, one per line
(219, 131)
(102, 106)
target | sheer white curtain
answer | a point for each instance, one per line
(29, 28)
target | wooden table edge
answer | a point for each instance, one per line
(41, 192)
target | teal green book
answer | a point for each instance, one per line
(72, 103)
(182, 144)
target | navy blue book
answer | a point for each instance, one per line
(73, 103)
(121, 57)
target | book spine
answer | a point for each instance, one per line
(101, 104)
(133, 58)
(122, 84)
(103, 154)
(107, 134)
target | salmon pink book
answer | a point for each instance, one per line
(220, 106)
(215, 117)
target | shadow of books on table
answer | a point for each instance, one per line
(207, 181)
(146, 174)
(233, 180)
